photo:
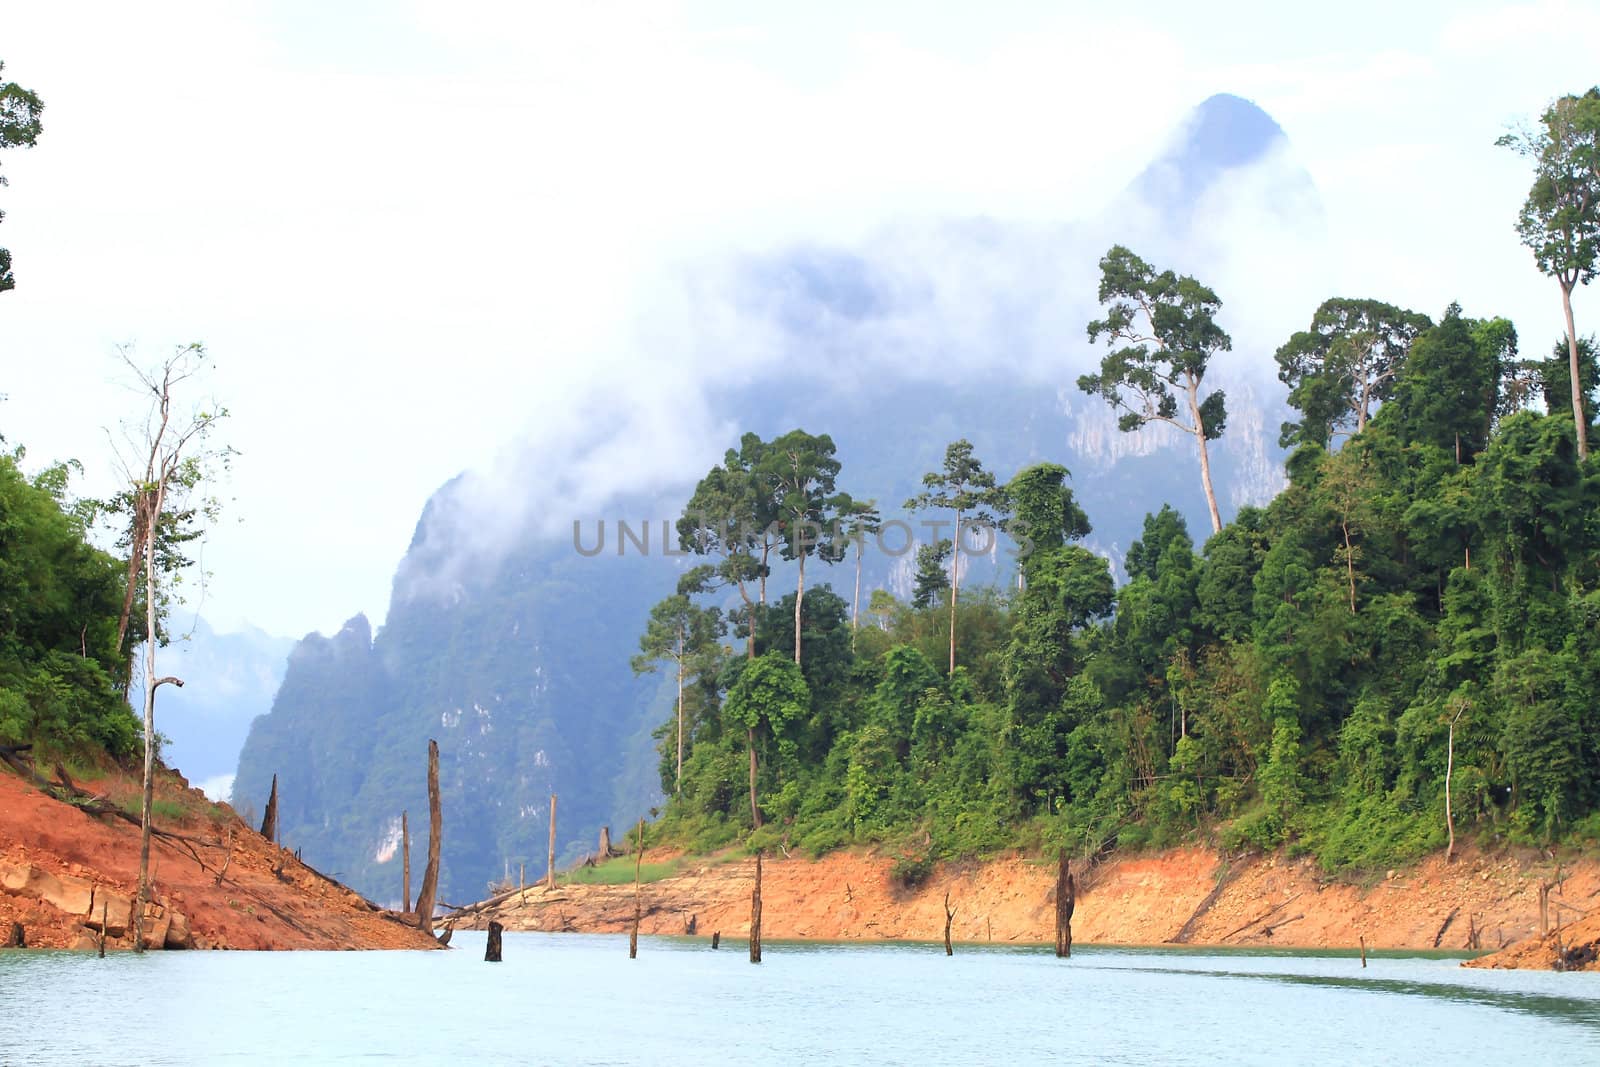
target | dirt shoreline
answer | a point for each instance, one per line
(60, 866)
(1480, 902)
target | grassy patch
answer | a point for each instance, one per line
(618, 871)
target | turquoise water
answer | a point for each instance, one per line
(579, 999)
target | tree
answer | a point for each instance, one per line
(1166, 325)
(165, 462)
(1343, 365)
(800, 469)
(1449, 391)
(19, 128)
(932, 578)
(681, 633)
(860, 517)
(1560, 219)
(769, 695)
(731, 515)
(966, 489)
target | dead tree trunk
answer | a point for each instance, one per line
(16, 937)
(1066, 901)
(105, 917)
(405, 863)
(430, 873)
(491, 952)
(269, 821)
(1544, 908)
(605, 843)
(550, 869)
(1449, 767)
(1363, 953)
(638, 862)
(755, 915)
(716, 939)
(949, 916)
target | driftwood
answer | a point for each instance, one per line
(755, 914)
(227, 861)
(1448, 919)
(430, 873)
(269, 821)
(1267, 930)
(491, 951)
(1066, 901)
(949, 917)
(1269, 913)
(1186, 931)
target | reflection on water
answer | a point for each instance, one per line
(579, 999)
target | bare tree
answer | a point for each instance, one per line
(165, 462)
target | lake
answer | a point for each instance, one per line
(566, 998)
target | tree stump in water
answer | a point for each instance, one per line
(949, 915)
(1066, 901)
(716, 939)
(491, 952)
(430, 873)
(638, 859)
(755, 915)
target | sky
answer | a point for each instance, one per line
(421, 238)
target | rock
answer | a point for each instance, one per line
(16, 937)
(178, 936)
(13, 876)
(156, 928)
(68, 894)
(85, 942)
(118, 911)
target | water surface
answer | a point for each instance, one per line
(568, 998)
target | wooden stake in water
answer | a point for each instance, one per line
(1363, 953)
(550, 871)
(491, 952)
(755, 914)
(1066, 901)
(638, 861)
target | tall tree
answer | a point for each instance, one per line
(1164, 325)
(932, 577)
(800, 469)
(860, 518)
(964, 488)
(1560, 219)
(681, 633)
(730, 515)
(166, 461)
(19, 128)
(1343, 366)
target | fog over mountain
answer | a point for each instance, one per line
(512, 649)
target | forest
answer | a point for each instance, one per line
(1402, 646)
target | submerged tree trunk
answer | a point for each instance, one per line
(638, 861)
(755, 914)
(949, 916)
(1066, 901)
(491, 951)
(1578, 419)
(550, 866)
(430, 873)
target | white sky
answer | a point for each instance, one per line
(411, 234)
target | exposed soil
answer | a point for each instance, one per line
(266, 898)
(1479, 902)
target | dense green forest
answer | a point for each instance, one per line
(1292, 680)
(61, 669)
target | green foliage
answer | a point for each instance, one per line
(58, 607)
(20, 126)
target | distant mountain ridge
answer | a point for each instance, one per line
(518, 662)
